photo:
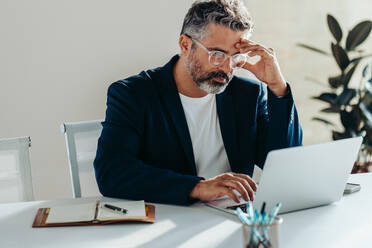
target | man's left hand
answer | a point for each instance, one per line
(267, 68)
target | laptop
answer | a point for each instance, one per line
(301, 177)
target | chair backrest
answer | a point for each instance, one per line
(81, 144)
(15, 170)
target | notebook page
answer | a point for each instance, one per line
(136, 209)
(72, 213)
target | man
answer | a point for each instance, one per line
(190, 130)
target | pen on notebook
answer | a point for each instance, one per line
(115, 208)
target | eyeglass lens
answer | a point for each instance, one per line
(218, 58)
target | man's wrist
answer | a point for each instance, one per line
(280, 91)
(195, 192)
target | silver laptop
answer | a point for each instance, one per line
(302, 177)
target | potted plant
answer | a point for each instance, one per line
(354, 105)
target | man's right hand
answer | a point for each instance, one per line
(207, 190)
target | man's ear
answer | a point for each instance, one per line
(185, 43)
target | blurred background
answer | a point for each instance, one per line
(57, 59)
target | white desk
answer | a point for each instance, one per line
(347, 223)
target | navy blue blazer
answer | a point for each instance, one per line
(145, 149)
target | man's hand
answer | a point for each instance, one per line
(267, 68)
(207, 190)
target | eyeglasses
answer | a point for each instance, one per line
(217, 58)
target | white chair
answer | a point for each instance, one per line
(15, 170)
(81, 144)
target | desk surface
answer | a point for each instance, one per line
(347, 223)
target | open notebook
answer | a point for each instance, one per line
(94, 213)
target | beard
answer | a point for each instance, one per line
(206, 80)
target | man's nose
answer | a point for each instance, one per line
(227, 66)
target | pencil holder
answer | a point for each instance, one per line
(262, 236)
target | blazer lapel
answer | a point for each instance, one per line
(172, 102)
(225, 111)
(226, 116)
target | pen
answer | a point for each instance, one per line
(257, 217)
(274, 212)
(242, 217)
(115, 208)
(249, 210)
(263, 207)
(263, 219)
(245, 220)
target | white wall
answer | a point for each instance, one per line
(57, 59)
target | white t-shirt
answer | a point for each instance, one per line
(209, 150)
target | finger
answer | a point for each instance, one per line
(244, 42)
(230, 194)
(250, 181)
(252, 49)
(247, 182)
(244, 182)
(239, 187)
(257, 44)
(251, 67)
(246, 49)
(249, 49)
(226, 176)
(261, 53)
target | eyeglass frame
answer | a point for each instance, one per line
(226, 56)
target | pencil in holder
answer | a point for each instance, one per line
(262, 236)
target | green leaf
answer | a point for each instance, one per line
(366, 112)
(348, 76)
(327, 97)
(334, 27)
(323, 120)
(313, 49)
(345, 97)
(335, 82)
(337, 135)
(358, 34)
(350, 120)
(368, 141)
(355, 60)
(340, 55)
(332, 109)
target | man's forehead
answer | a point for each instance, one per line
(219, 35)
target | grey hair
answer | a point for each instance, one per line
(229, 13)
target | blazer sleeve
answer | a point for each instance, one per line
(277, 123)
(119, 170)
